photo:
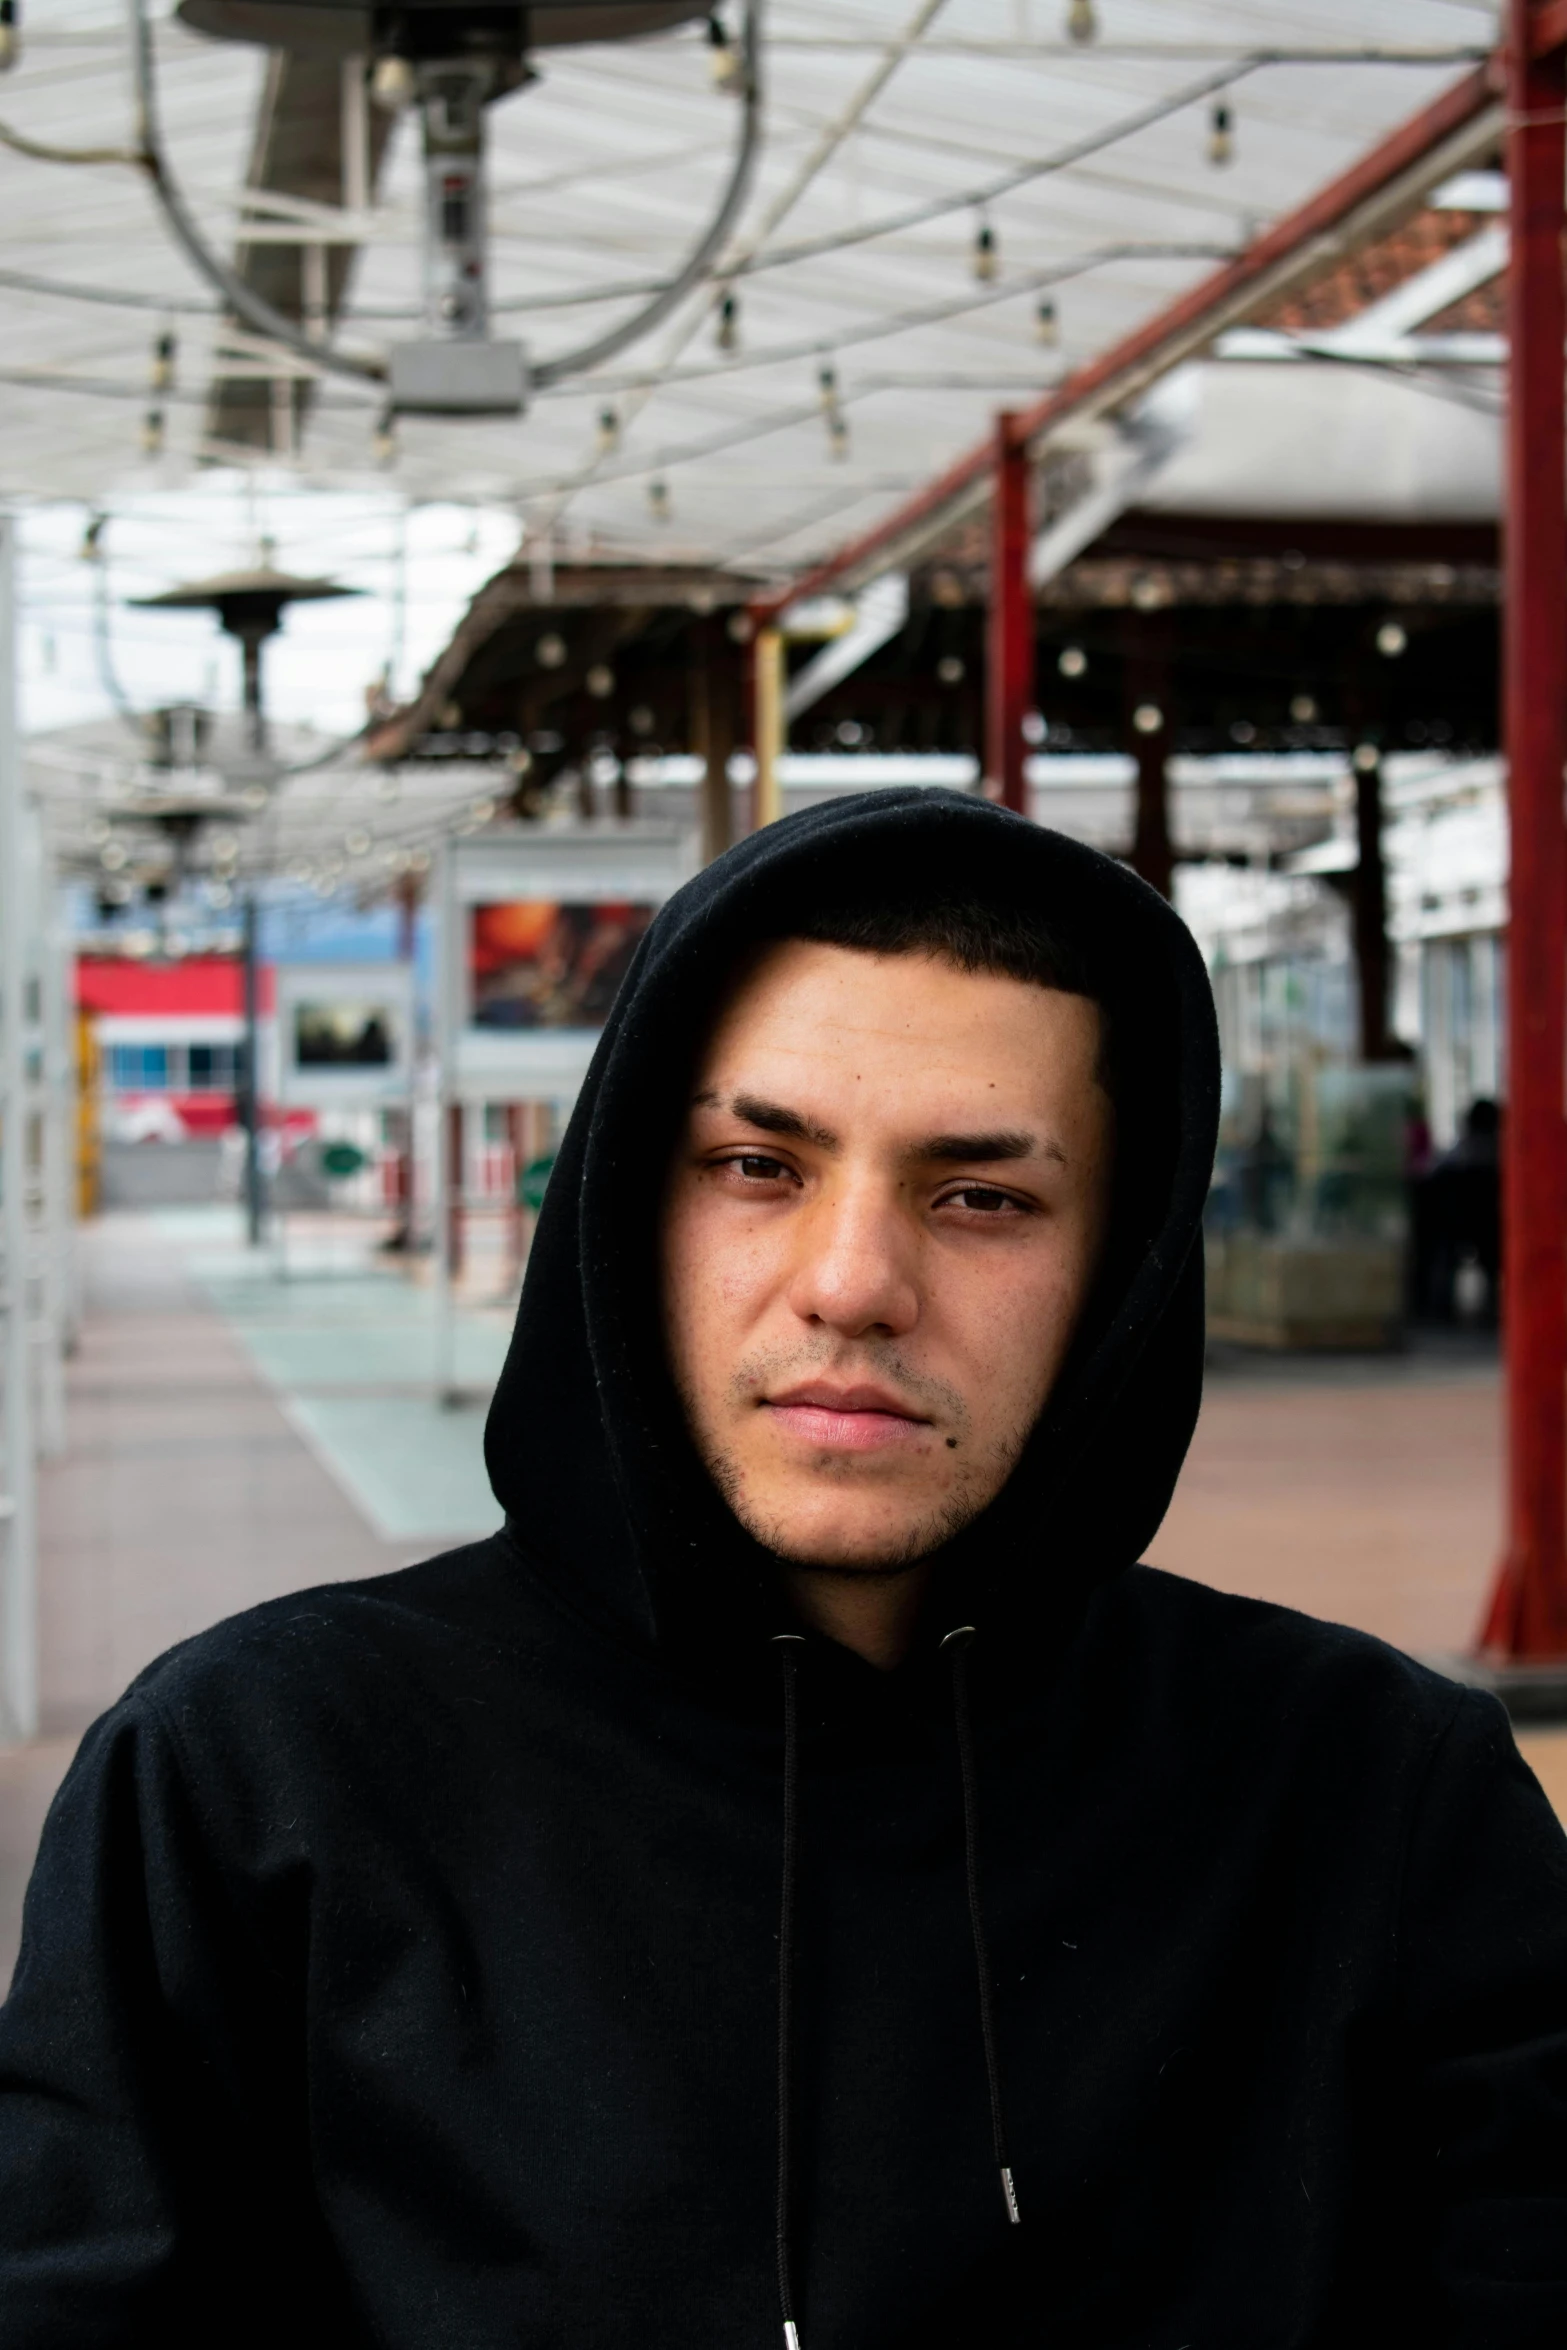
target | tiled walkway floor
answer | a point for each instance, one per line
(188, 1491)
(233, 1436)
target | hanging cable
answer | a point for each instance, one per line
(709, 246)
(241, 298)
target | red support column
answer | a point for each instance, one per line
(1527, 1617)
(1009, 640)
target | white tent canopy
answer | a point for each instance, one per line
(895, 133)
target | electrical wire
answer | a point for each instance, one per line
(38, 152)
(935, 208)
(607, 346)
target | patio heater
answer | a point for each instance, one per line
(451, 59)
(250, 606)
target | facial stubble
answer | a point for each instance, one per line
(918, 1541)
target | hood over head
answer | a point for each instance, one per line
(586, 1444)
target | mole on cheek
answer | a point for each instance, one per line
(952, 1444)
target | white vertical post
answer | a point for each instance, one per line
(447, 948)
(59, 1099)
(18, 1496)
(355, 189)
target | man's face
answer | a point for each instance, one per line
(882, 1220)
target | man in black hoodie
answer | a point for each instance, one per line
(626, 1931)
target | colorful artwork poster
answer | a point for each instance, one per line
(342, 1036)
(537, 963)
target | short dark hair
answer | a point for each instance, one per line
(970, 934)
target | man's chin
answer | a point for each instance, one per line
(806, 1542)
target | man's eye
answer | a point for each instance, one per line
(983, 1201)
(758, 1169)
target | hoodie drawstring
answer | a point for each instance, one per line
(956, 1645)
(788, 1645)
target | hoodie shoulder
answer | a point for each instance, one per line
(1251, 1657)
(335, 1640)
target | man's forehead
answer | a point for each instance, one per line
(795, 999)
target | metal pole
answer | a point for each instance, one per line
(446, 949)
(250, 1079)
(1009, 632)
(1527, 1616)
(768, 791)
(18, 1497)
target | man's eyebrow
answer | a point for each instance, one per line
(1012, 1143)
(772, 1118)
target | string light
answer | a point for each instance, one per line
(600, 681)
(837, 432)
(1047, 323)
(1073, 661)
(827, 385)
(383, 442)
(92, 547)
(986, 258)
(161, 378)
(723, 64)
(1082, 21)
(1221, 134)
(1392, 639)
(728, 335)
(10, 34)
(658, 498)
(608, 432)
(152, 433)
(392, 84)
(1148, 718)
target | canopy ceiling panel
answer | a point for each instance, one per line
(899, 137)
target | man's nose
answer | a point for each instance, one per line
(856, 1268)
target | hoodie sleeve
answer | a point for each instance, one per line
(121, 2140)
(1484, 1967)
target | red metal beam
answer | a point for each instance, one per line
(1527, 1617)
(1009, 629)
(1294, 248)
(1548, 27)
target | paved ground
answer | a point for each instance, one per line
(189, 1492)
(234, 1436)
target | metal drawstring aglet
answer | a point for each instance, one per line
(791, 2335)
(1008, 2190)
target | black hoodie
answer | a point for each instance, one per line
(401, 1967)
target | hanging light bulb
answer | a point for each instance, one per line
(986, 258)
(383, 443)
(658, 498)
(1047, 324)
(728, 335)
(608, 432)
(163, 350)
(152, 433)
(723, 63)
(10, 34)
(1082, 21)
(1221, 134)
(837, 432)
(392, 84)
(92, 549)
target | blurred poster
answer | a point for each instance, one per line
(539, 963)
(343, 1036)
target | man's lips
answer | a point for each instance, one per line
(845, 1419)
